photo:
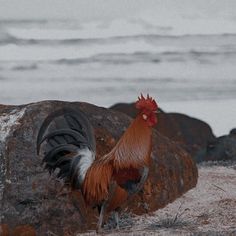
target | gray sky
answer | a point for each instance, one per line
(82, 9)
(108, 9)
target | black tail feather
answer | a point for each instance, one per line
(74, 171)
(64, 171)
(56, 150)
(73, 123)
(76, 120)
(65, 133)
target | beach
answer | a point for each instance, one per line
(182, 53)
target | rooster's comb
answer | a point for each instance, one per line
(146, 103)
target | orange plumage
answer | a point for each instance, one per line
(130, 154)
(108, 181)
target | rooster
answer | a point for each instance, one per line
(106, 182)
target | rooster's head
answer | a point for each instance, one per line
(148, 109)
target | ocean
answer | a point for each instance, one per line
(181, 62)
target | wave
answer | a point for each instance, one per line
(7, 38)
(27, 67)
(92, 30)
(39, 52)
(118, 42)
(148, 57)
(128, 52)
(27, 32)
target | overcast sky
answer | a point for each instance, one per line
(82, 9)
(108, 9)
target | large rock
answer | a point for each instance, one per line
(195, 133)
(29, 196)
(192, 134)
(222, 148)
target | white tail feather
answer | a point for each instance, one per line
(87, 157)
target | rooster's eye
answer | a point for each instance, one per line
(144, 116)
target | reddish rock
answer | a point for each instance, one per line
(29, 196)
(23, 230)
(192, 134)
(4, 230)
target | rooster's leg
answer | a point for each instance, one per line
(143, 178)
(116, 216)
(104, 205)
(140, 185)
(101, 214)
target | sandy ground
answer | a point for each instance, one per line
(208, 209)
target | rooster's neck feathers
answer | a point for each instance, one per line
(134, 147)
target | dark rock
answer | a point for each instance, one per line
(29, 196)
(127, 108)
(192, 134)
(195, 133)
(221, 148)
(233, 132)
